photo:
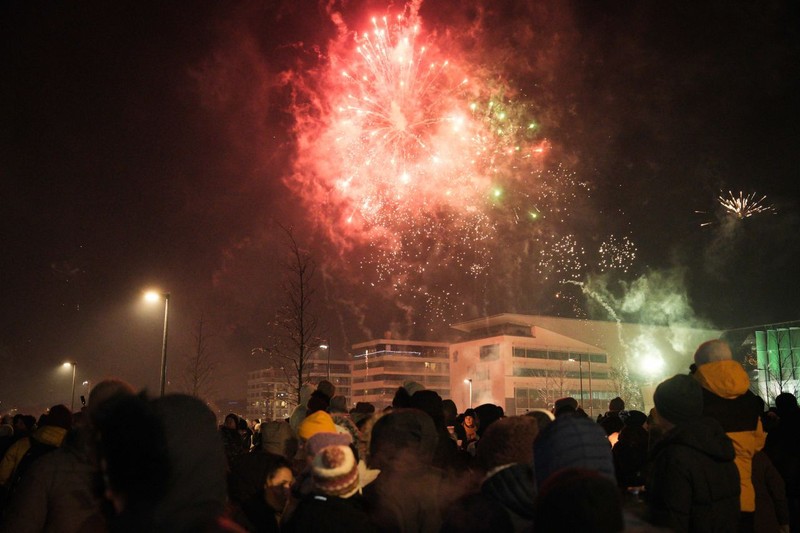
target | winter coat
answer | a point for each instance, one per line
(611, 422)
(783, 448)
(727, 399)
(772, 509)
(59, 492)
(330, 515)
(630, 456)
(514, 489)
(693, 484)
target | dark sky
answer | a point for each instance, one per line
(149, 143)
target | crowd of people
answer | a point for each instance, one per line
(708, 457)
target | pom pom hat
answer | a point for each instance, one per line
(335, 472)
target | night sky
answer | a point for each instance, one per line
(151, 144)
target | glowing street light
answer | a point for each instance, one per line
(328, 352)
(74, 365)
(152, 297)
(580, 374)
(468, 381)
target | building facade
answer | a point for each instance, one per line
(381, 366)
(269, 396)
(523, 362)
(522, 367)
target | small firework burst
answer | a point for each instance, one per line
(745, 206)
(617, 254)
(740, 207)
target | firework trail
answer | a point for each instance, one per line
(612, 313)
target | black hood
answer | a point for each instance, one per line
(702, 434)
(513, 487)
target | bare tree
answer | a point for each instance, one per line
(554, 385)
(781, 363)
(626, 388)
(294, 330)
(200, 364)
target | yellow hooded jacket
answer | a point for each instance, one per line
(51, 435)
(727, 398)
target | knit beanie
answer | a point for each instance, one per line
(679, 399)
(59, 416)
(568, 401)
(488, 414)
(633, 418)
(402, 438)
(334, 471)
(616, 404)
(324, 439)
(318, 422)
(361, 411)
(338, 405)
(509, 440)
(327, 388)
(572, 442)
(413, 387)
(429, 402)
(318, 402)
(711, 351)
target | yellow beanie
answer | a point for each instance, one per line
(317, 422)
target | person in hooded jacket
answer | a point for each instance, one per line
(506, 455)
(61, 491)
(783, 449)
(727, 398)
(693, 484)
(630, 451)
(406, 495)
(155, 482)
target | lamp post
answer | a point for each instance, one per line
(469, 382)
(74, 366)
(153, 296)
(328, 352)
(591, 393)
(580, 374)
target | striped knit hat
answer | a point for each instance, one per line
(335, 472)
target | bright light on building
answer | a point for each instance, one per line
(652, 364)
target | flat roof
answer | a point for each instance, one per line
(400, 342)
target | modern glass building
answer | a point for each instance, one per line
(771, 352)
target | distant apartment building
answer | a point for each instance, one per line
(270, 397)
(381, 366)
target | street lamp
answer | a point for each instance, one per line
(152, 296)
(580, 374)
(328, 352)
(74, 365)
(469, 382)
